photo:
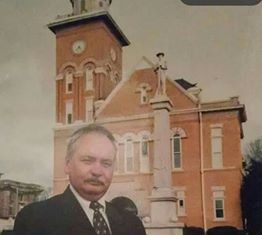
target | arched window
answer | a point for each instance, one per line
(89, 79)
(176, 151)
(69, 82)
(177, 134)
(144, 154)
(129, 155)
(116, 166)
(89, 72)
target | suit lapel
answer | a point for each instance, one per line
(75, 222)
(75, 219)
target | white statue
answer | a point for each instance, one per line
(161, 74)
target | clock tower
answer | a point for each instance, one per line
(88, 67)
(88, 59)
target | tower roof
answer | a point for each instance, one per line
(76, 20)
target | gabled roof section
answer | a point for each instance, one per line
(143, 63)
(192, 100)
(125, 100)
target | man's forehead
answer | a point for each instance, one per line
(91, 140)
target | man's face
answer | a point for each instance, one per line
(91, 167)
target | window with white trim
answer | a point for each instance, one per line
(216, 146)
(69, 112)
(144, 154)
(176, 151)
(219, 205)
(129, 155)
(144, 96)
(144, 89)
(116, 165)
(181, 207)
(89, 78)
(69, 82)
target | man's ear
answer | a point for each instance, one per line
(67, 166)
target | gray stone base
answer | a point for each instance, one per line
(169, 229)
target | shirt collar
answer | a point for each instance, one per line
(85, 203)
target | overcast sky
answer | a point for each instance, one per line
(220, 48)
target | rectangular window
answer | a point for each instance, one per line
(218, 201)
(219, 211)
(216, 147)
(176, 150)
(129, 155)
(69, 112)
(69, 118)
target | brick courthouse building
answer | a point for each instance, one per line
(203, 138)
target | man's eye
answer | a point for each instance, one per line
(86, 160)
(107, 164)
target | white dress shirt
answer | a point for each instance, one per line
(88, 211)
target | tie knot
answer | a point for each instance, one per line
(95, 206)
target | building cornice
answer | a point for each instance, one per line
(76, 20)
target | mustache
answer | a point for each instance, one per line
(94, 181)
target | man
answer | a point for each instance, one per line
(81, 209)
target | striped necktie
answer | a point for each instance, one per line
(99, 222)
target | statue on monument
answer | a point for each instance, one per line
(160, 70)
(88, 6)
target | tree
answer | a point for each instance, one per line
(253, 151)
(251, 190)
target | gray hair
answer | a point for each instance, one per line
(92, 128)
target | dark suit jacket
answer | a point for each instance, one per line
(63, 215)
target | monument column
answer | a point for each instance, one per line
(162, 199)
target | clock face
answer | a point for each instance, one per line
(113, 54)
(78, 46)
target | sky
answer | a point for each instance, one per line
(219, 48)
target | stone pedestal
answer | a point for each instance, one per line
(175, 229)
(163, 206)
(163, 218)
(162, 162)
(163, 215)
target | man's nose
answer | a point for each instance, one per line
(96, 168)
